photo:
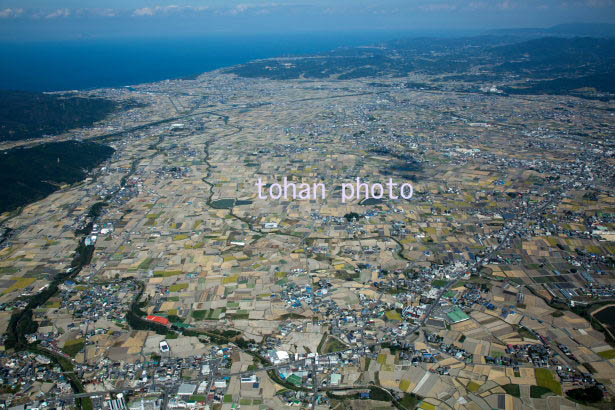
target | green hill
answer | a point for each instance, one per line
(30, 174)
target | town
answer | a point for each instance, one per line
(471, 268)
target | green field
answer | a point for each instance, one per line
(545, 378)
(333, 345)
(382, 358)
(4, 270)
(607, 354)
(20, 283)
(146, 263)
(167, 273)
(439, 283)
(393, 315)
(199, 314)
(525, 333)
(230, 279)
(72, 347)
(512, 389)
(536, 392)
(409, 401)
(497, 353)
(427, 406)
(178, 287)
(208, 314)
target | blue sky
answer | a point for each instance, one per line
(44, 19)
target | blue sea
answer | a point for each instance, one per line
(94, 63)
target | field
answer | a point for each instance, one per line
(537, 392)
(73, 347)
(409, 401)
(167, 273)
(512, 389)
(473, 387)
(545, 378)
(439, 283)
(20, 283)
(209, 314)
(178, 287)
(146, 263)
(427, 406)
(393, 315)
(382, 358)
(230, 279)
(404, 385)
(333, 345)
(8, 270)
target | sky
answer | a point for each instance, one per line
(75, 19)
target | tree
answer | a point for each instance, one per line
(586, 395)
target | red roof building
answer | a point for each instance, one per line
(158, 319)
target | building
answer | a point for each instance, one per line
(249, 379)
(186, 389)
(118, 403)
(457, 315)
(158, 319)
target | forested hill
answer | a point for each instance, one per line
(547, 65)
(25, 115)
(30, 174)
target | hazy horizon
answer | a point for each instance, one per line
(70, 19)
(114, 43)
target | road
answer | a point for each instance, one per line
(215, 371)
(478, 264)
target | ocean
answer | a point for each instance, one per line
(96, 63)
